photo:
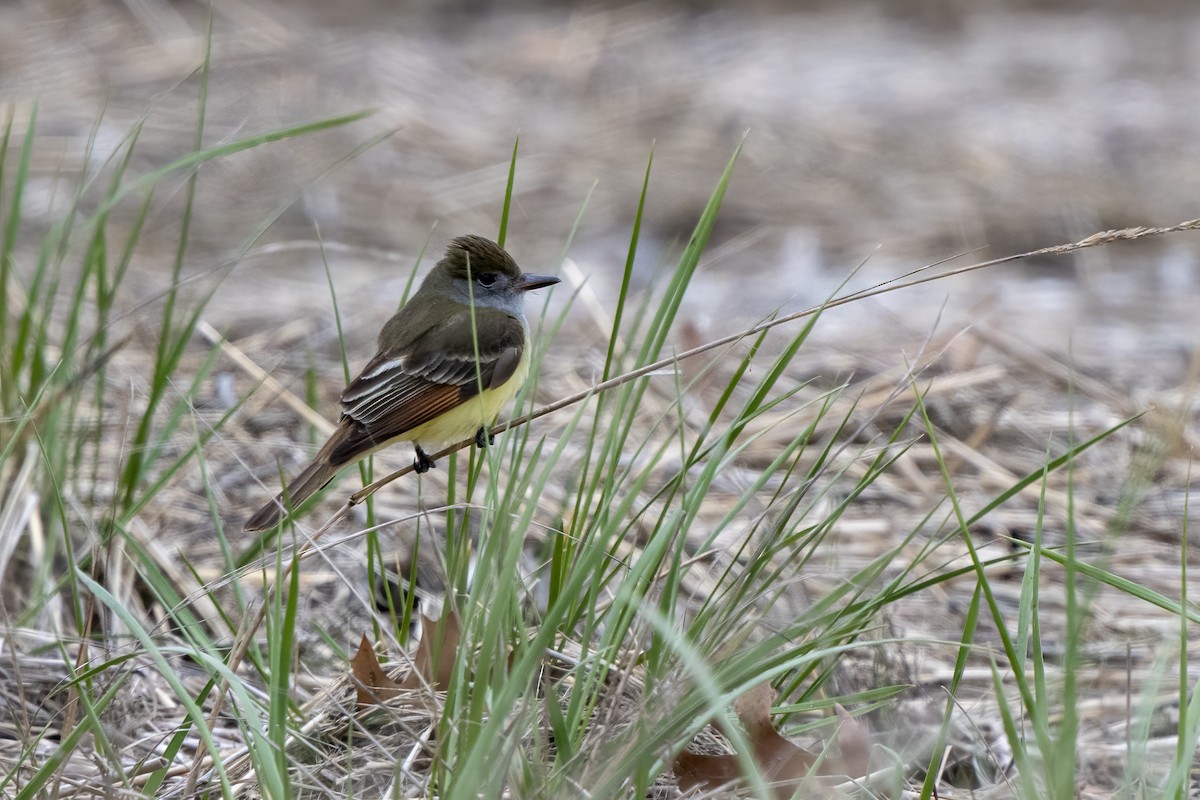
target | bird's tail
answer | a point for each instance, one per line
(306, 484)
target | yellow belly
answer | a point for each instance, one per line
(461, 422)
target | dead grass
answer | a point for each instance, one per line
(999, 403)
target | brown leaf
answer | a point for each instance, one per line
(700, 772)
(423, 673)
(854, 744)
(373, 684)
(780, 763)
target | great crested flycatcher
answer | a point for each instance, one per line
(447, 362)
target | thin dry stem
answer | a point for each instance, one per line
(1095, 240)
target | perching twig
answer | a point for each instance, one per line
(1095, 240)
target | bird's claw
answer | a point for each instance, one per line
(483, 438)
(423, 463)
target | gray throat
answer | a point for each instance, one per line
(512, 303)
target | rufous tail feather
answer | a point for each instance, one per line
(306, 484)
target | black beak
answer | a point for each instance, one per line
(527, 283)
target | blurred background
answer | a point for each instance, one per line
(895, 133)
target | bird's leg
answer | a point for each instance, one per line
(423, 463)
(484, 438)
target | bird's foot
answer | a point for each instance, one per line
(483, 438)
(423, 463)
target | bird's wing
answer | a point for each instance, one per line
(398, 390)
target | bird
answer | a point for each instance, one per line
(447, 362)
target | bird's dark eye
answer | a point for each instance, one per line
(487, 279)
